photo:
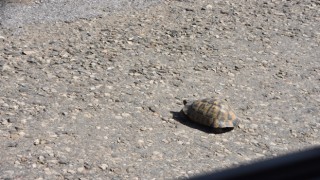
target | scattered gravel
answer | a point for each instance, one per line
(99, 97)
(20, 12)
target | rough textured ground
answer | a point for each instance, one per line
(21, 12)
(99, 98)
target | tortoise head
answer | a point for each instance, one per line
(187, 104)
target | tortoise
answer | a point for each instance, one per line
(212, 112)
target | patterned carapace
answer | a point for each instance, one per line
(211, 112)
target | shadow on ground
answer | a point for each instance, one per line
(183, 119)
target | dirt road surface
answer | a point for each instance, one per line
(98, 96)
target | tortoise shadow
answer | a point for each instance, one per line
(183, 119)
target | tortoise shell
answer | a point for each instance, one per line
(212, 112)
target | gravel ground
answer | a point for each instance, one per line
(99, 97)
(21, 12)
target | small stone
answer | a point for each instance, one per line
(225, 140)
(115, 170)
(71, 171)
(14, 120)
(231, 74)
(125, 114)
(209, 7)
(140, 143)
(172, 121)
(42, 141)
(28, 52)
(165, 141)
(152, 108)
(53, 135)
(36, 142)
(14, 136)
(80, 169)
(204, 137)
(241, 126)
(47, 171)
(156, 155)
(180, 142)
(259, 155)
(87, 165)
(219, 154)
(143, 128)
(190, 172)
(41, 159)
(264, 63)
(88, 115)
(130, 170)
(62, 160)
(12, 144)
(103, 166)
(17, 163)
(254, 141)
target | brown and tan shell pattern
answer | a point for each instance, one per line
(211, 112)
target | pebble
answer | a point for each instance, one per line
(130, 170)
(12, 144)
(165, 141)
(116, 170)
(209, 7)
(156, 155)
(143, 129)
(41, 159)
(152, 108)
(71, 171)
(80, 169)
(47, 171)
(231, 74)
(28, 52)
(103, 166)
(241, 126)
(125, 115)
(63, 160)
(14, 135)
(140, 143)
(180, 142)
